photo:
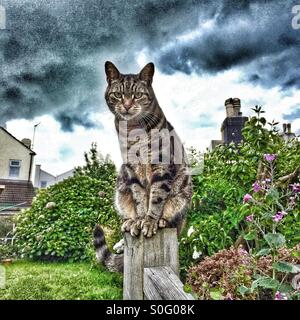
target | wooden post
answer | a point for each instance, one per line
(151, 267)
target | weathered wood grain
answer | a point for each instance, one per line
(161, 283)
(141, 255)
(133, 267)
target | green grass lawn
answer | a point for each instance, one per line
(60, 281)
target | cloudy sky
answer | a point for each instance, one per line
(53, 51)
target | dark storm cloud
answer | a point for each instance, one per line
(52, 56)
(254, 35)
(54, 51)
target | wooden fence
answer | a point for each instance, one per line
(151, 267)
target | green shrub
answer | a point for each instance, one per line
(64, 231)
(229, 275)
(217, 215)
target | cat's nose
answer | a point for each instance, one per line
(127, 103)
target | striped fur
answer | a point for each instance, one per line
(153, 193)
(113, 262)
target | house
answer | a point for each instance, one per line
(16, 165)
(44, 179)
(232, 125)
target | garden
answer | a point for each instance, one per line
(241, 240)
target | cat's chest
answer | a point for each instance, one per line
(144, 173)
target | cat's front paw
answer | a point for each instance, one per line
(135, 228)
(162, 223)
(127, 225)
(149, 226)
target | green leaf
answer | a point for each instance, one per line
(265, 282)
(296, 254)
(250, 236)
(286, 267)
(243, 290)
(276, 240)
(216, 294)
(263, 252)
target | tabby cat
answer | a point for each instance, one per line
(154, 188)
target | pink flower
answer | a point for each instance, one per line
(250, 218)
(228, 296)
(256, 187)
(270, 157)
(295, 187)
(280, 296)
(279, 215)
(247, 198)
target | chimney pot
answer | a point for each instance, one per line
(284, 128)
(289, 128)
(229, 108)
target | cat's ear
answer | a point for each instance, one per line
(147, 72)
(112, 73)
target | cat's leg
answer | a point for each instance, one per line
(124, 201)
(161, 184)
(132, 200)
(178, 202)
(126, 209)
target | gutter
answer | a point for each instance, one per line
(32, 154)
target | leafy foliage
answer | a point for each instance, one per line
(229, 274)
(59, 224)
(217, 218)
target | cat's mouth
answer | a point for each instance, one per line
(128, 116)
(129, 113)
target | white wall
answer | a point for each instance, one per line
(41, 175)
(11, 149)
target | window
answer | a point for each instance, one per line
(14, 168)
(43, 184)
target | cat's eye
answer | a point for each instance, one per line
(138, 95)
(118, 95)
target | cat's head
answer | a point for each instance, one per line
(129, 95)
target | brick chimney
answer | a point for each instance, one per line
(234, 122)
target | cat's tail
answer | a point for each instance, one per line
(113, 262)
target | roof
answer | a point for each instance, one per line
(16, 192)
(31, 151)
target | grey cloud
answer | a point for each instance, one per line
(52, 56)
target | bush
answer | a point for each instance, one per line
(216, 220)
(59, 225)
(229, 274)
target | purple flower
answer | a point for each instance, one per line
(256, 187)
(270, 157)
(295, 187)
(279, 215)
(250, 218)
(247, 198)
(280, 296)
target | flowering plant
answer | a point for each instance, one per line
(265, 210)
